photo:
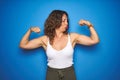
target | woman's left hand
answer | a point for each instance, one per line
(84, 22)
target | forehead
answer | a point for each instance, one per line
(64, 16)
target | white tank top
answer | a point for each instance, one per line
(60, 58)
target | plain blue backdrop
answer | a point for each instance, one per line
(98, 62)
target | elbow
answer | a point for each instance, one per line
(96, 41)
(25, 46)
(93, 42)
(22, 46)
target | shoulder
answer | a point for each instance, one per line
(43, 38)
(74, 35)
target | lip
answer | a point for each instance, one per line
(66, 27)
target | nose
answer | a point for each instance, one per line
(66, 22)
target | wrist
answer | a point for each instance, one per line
(90, 25)
(30, 29)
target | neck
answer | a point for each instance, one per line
(59, 34)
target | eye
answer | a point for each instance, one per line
(64, 20)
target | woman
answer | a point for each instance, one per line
(59, 45)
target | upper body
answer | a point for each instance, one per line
(56, 27)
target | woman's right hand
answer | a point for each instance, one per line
(35, 29)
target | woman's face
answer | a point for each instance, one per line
(64, 24)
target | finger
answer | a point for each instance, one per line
(38, 30)
(81, 22)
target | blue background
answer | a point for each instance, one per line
(98, 62)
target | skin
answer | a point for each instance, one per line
(60, 39)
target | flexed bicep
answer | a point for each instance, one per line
(87, 40)
(84, 40)
(32, 44)
(25, 43)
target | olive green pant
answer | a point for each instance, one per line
(61, 74)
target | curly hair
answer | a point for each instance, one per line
(53, 22)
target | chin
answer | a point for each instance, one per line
(66, 31)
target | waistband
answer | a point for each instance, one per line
(64, 69)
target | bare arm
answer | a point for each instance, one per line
(25, 43)
(87, 40)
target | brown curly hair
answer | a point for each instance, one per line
(53, 22)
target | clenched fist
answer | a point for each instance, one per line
(35, 29)
(85, 22)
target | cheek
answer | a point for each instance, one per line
(63, 24)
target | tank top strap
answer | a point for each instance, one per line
(69, 39)
(48, 42)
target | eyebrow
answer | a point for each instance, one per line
(64, 19)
